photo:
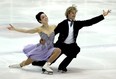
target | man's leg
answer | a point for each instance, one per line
(38, 63)
(41, 63)
(64, 64)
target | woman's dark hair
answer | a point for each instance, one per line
(38, 16)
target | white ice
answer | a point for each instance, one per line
(97, 59)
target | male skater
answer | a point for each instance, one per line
(68, 31)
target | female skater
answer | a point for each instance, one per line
(40, 52)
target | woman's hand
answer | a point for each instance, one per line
(11, 27)
(105, 13)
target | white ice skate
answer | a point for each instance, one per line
(46, 68)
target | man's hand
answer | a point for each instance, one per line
(42, 41)
(105, 13)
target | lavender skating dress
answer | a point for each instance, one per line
(39, 52)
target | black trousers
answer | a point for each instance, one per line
(70, 50)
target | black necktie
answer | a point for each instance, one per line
(71, 22)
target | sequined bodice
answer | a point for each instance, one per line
(49, 39)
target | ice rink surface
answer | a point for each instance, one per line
(97, 59)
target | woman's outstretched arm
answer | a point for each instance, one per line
(35, 30)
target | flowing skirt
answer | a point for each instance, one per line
(38, 52)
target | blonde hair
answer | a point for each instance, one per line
(69, 9)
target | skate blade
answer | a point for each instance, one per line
(47, 72)
(14, 67)
(62, 71)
